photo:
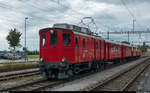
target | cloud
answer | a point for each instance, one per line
(109, 15)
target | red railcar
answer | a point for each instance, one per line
(113, 50)
(67, 49)
(126, 51)
(133, 51)
(138, 52)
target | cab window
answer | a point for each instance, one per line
(43, 40)
(53, 39)
(66, 39)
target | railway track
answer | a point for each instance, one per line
(42, 85)
(38, 86)
(122, 80)
(18, 75)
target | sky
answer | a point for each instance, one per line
(108, 15)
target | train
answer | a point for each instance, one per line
(66, 50)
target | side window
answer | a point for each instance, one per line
(76, 42)
(96, 44)
(43, 40)
(66, 39)
(83, 43)
(53, 39)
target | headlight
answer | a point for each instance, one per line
(41, 59)
(63, 59)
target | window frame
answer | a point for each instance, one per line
(42, 39)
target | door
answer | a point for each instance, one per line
(77, 57)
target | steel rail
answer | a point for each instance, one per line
(18, 75)
(109, 79)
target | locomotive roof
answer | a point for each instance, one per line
(92, 36)
(114, 42)
(44, 29)
(74, 28)
(127, 45)
(77, 30)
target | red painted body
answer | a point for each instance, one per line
(66, 50)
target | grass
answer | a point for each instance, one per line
(8, 66)
(33, 56)
(31, 78)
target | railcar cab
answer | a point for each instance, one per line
(55, 44)
(57, 50)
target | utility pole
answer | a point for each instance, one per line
(133, 24)
(132, 30)
(128, 36)
(25, 48)
(108, 35)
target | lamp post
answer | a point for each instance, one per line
(25, 41)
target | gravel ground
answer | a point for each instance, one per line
(20, 71)
(144, 84)
(90, 80)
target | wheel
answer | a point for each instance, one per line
(76, 70)
(44, 75)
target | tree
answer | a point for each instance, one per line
(144, 48)
(13, 38)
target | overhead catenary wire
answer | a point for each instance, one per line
(127, 9)
(130, 12)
